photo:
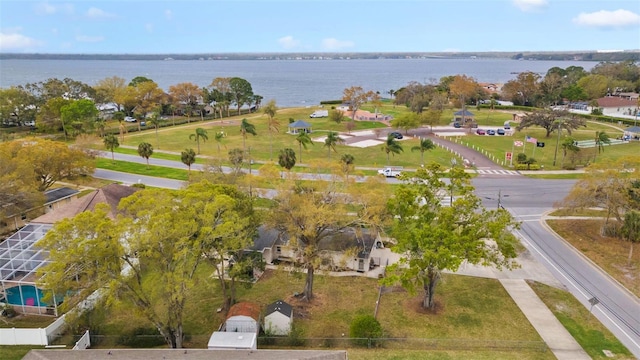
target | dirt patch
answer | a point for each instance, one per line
(303, 309)
(415, 305)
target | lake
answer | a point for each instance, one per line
(289, 82)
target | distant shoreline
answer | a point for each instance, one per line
(633, 55)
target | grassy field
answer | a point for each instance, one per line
(581, 324)
(609, 253)
(265, 146)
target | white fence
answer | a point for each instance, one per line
(84, 342)
(42, 337)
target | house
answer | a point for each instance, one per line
(299, 126)
(54, 198)
(616, 106)
(243, 317)
(268, 242)
(347, 250)
(20, 258)
(110, 194)
(221, 340)
(278, 318)
(490, 87)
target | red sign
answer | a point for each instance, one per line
(508, 156)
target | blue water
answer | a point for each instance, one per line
(289, 82)
(28, 292)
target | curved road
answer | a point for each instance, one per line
(528, 200)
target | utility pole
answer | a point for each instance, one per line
(555, 156)
(499, 199)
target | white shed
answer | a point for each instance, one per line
(221, 340)
(278, 318)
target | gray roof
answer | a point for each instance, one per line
(633, 129)
(298, 124)
(461, 113)
(281, 307)
(349, 238)
(58, 194)
(267, 238)
(185, 354)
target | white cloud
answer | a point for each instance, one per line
(14, 41)
(530, 5)
(89, 39)
(288, 42)
(45, 8)
(610, 19)
(96, 13)
(168, 14)
(331, 44)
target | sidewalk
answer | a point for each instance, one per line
(557, 338)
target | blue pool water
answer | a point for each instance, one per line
(29, 294)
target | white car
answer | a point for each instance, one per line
(129, 119)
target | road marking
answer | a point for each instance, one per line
(497, 172)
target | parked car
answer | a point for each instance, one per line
(491, 132)
(507, 127)
(129, 119)
(457, 125)
(481, 132)
(501, 132)
(396, 135)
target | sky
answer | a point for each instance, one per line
(335, 26)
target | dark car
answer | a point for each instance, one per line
(491, 132)
(396, 135)
(457, 125)
(500, 131)
(507, 127)
(480, 132)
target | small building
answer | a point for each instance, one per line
(268, 242)
(299, 126)
(221, 340)
(463, 116)
(243, 317)
(278, 318)
(54, 199)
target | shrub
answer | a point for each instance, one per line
(296, 336)
(364, 329)
(521, 158)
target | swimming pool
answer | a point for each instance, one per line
(30, 295)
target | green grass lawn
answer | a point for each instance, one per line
(581, 324)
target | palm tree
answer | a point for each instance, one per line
(631, 230)
(568, 145)
(391, 146)
(425, 145)
(100, 124)
(111, 143)
(218, 138)
(145, 150)
(287, 158)
(188, 158)
(347, 163)
(123, 129)
(246, 128)
(270, 110)
(199, 134)
(303, 139)
(602, 139)
(155, 121)
(331, 141)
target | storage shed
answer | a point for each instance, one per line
(243, 317)
(278, 318)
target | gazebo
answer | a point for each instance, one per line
(465, 115)
(299, 125)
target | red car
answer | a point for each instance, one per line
(480, 132)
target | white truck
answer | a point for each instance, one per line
(319, 114)
(390, 171)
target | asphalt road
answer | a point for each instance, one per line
(527, 199)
